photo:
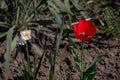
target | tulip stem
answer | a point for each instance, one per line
(28, 62)
(82, 62)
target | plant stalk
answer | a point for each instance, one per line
(28, 62)
(82, 61)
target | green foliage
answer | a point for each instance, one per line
(91, 68)
(39, 65)
(19, 13)
(57, 40)
(57, 18)
(109, 23)
(38, 49)
(8, 49)
(3, 5)
(76, 58)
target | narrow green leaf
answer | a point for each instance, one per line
(38, 49)
(91, 69)
(97, 59)
(75, 40)
(30, 18)
(67, 5)
(41, 3)
(60, 4)
(29, 3)
(72, 41)
(89, 75)
(57, 17)
(17, 15)
(14, 42)
(52, 57)
(54, 6)
(8, 49)
(4, 24)
(3, 34)
(60, 35)
(3, 4)
(76, 58)
(39, 65)
(89, 1)
(64, 6)
(75, 3)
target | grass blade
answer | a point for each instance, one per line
(76, 58)
(97, 59)
(41, 3)
(14, 42)
(63, 6)
(75, 3)
(57, 17)
(54, 6)
(8, 49)
(91, 69)
(67, 5)
(38, 49)
(3, 4)
(39, 65)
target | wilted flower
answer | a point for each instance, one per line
(26, 34)
(84, 29)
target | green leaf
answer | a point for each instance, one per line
(3, 4)
(57, 17)
(54, 6)
(91, 69)
(4, 24)
(75, 3)
(76, 58)
(54, 51)
(2, 34)
(89, 75)
(63, 6)
(71, 40)
(67, 5)
(14, 42)
(60, 35)
(75, 40)
(39, 65)
(8, 49)
(38, 49)
(41, 3)
(90, 1)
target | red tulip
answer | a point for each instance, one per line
(84, 29)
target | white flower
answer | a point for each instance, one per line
(26, 34)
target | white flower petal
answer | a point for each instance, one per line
(26, 34)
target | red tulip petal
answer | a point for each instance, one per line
(82, 25)
(75, 29)
(84, 30)
(91, 29)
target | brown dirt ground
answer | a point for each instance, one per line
(108, 68)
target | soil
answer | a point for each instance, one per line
(65, 68)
